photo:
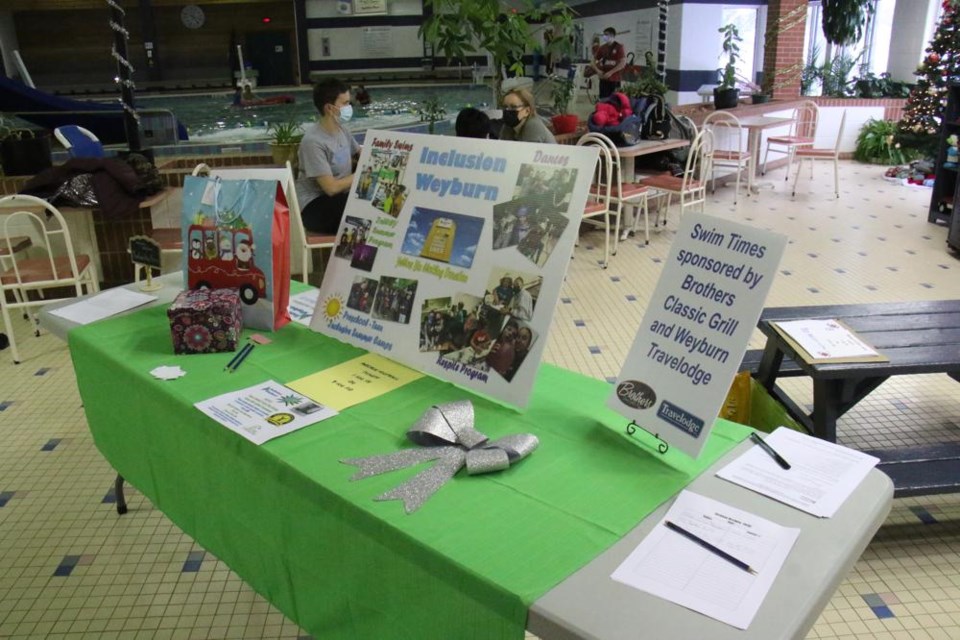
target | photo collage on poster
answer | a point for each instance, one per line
(533, 221)
(489, 333)
(455, 239)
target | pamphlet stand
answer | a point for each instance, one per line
(662, 445)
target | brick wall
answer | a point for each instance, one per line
(783, 52)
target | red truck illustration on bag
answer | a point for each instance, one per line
(222, 258)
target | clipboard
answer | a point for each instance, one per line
(814, 339)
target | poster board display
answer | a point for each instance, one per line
(451, 254)
(696, 328)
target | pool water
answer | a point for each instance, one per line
(213, 118)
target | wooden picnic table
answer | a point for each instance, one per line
(917, 337)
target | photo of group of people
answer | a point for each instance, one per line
(362, 293)
(513, 292)
(394, 300)
(552, 188)
(442, 236)
(534, 219)
(525, 224)
(488, 333)
(386, 299)
(381, 180)
(353, 234)
(352, 243)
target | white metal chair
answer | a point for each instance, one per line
(813, 154)
(803, 130)
(729, 148)
(599, 201)
(309, 240)
(58, 266)
(627, 196)
(9, 247)
(691, 186)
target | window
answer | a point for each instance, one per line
(746, 21)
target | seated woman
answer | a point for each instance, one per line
(327, 154)
(520, 119)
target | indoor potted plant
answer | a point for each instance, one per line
(759, 94)
(285, 141)
(727, 95)
(563, 122)
(505, 30)
(431, 111)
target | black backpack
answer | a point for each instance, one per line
(656, 119)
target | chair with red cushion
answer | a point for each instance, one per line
(829, 155)
(729, 147)
(803, 131)
(600, 203)
(691, 185)
(52, 263)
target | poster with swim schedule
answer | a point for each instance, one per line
(451, 254)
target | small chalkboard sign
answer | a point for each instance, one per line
(145, 251)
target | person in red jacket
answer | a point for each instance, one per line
(608, 61)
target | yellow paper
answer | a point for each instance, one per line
(354, 381)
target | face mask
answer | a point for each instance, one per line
(346, 112)
(606, 39)
(511, 118)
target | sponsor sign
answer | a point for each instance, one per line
(696, 328)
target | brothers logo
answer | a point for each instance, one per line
(636, 394)
(680, 418)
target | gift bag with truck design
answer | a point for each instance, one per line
(236, 235)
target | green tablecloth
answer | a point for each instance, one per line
(285, 517)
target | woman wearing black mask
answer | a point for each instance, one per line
(520, 119)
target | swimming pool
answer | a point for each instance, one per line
(212, 118)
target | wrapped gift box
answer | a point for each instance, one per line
(205, 321)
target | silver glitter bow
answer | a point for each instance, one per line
(445, 433)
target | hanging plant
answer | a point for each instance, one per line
(844, 20)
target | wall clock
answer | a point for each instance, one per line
(192, 16)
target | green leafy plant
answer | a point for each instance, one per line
(285, 132)
(869, 85)
(648, 83)
(431, 111)
(811, 73)
(460, 29)
(835, 75)
(731, 51)
(877, 143)
(561, 93)
(844, 20)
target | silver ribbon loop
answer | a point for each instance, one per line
(448, 437)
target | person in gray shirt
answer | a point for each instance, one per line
(520, 119)
(327, 155)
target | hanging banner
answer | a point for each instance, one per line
(696, 329)
(451, 255)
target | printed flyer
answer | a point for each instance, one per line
(451, 255)
(696, 329)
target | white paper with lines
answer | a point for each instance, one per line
(669, 565)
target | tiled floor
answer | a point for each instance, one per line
(69, 567)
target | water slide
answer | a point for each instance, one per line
(50, 111)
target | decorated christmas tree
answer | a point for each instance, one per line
(920, 124)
